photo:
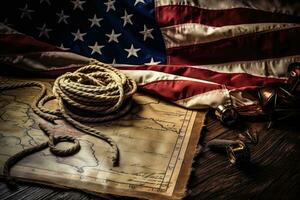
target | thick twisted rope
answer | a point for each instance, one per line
(51, 143)
(94, 93)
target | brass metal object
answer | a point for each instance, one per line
(226, 114)
(294, 78)
(251, 136)
(279, 103)
(238, 153)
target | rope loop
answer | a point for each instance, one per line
(54, 140)
(51, 143)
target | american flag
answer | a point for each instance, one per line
(197, 54)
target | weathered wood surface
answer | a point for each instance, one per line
(273, 174)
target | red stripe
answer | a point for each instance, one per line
(179, 14)
(231, 80)
(51, 73)
(17, 44)
(54, 73)
(246, 47)
(177, 89)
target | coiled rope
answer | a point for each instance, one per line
(94, 93)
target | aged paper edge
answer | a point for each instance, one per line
(186, 168)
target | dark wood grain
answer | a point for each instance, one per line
(274, 171)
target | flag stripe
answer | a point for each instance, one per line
(277, 6)
(178, 89)
(143, 77)
(19, 43)
(208, 99)
(169, 15)
(247, 47)
(231, 80)
(191, 33)
(275, 67)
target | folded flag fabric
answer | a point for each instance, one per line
(196, 54)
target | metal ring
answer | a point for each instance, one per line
(226, 114)
(293, 73)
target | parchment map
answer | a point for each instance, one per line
(153, 141)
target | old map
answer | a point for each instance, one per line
(157, 143)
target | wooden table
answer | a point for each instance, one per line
(274, 172)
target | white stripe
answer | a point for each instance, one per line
(38, 61)
(239, 99)
(208, 99)
(192, 33)
(273, 68)
(147, 76)
(276, 6)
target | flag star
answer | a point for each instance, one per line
(78, 4)
(5, 22)
(152, 62)
(147, 33)
(139, 1)
(113, 36)
(96, 48)
(127, 18)
(95, 21)
(63, 48)
(132, 51)
(44, 31)
(26, 12)
(78, 35)
(110, 5)
(47, 1)
(62, 17)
